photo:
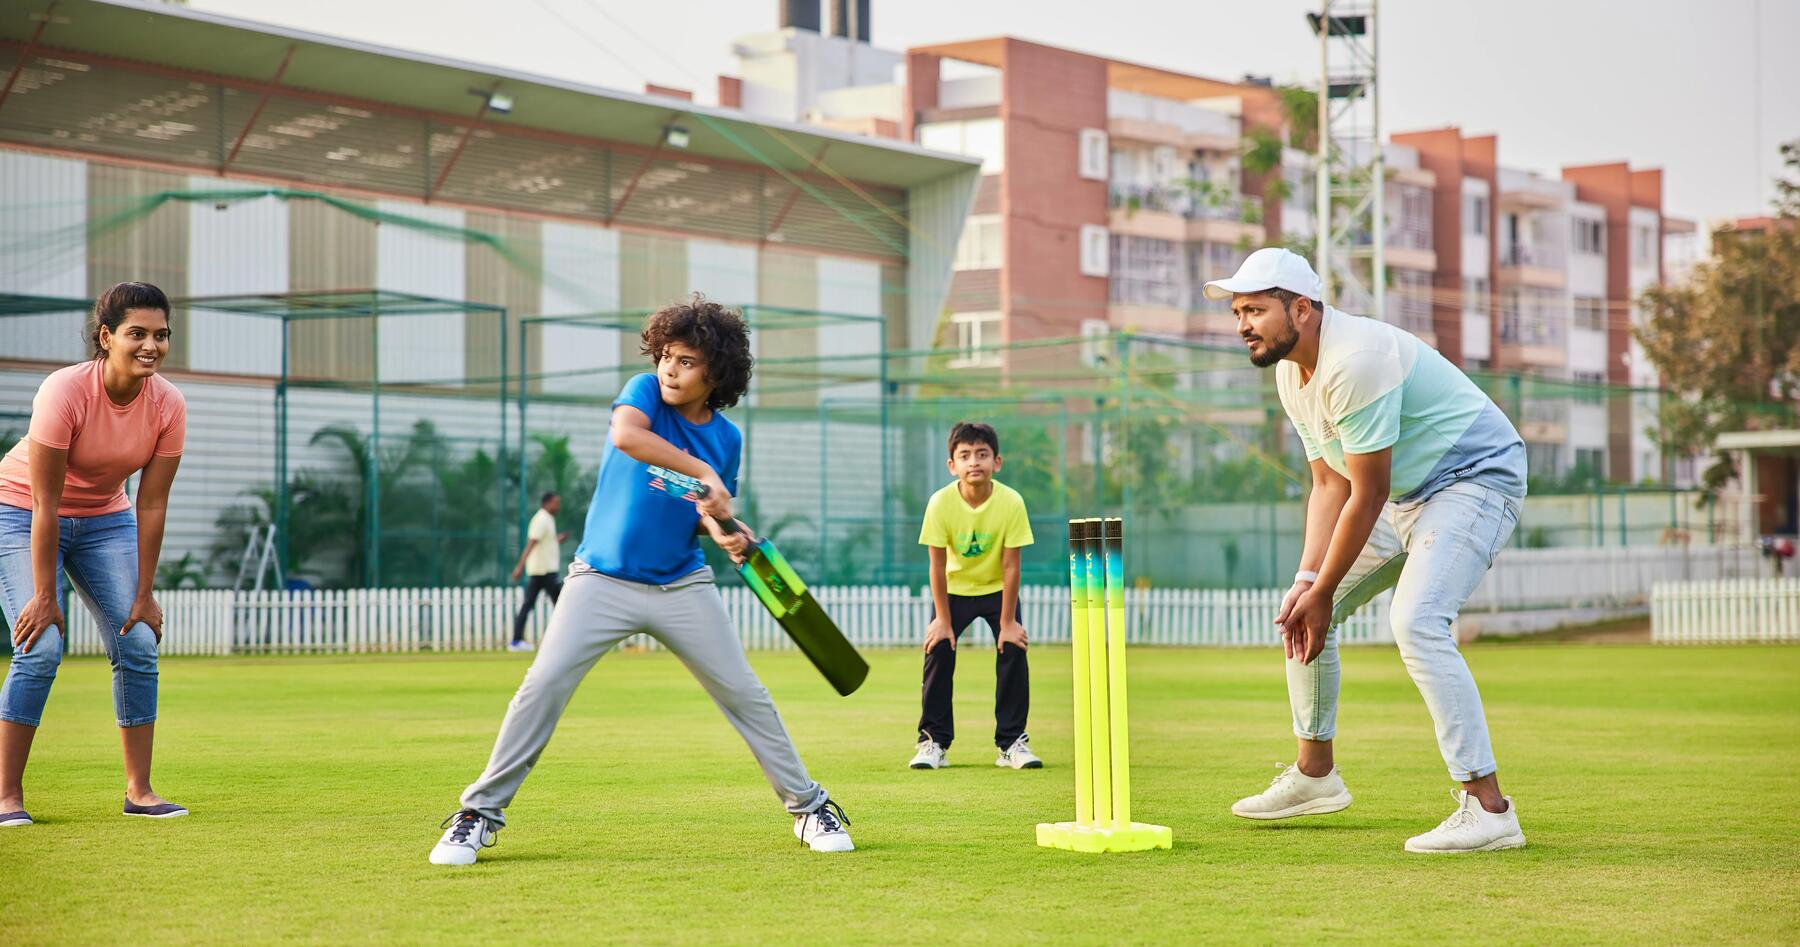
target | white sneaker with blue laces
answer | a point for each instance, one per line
(465, 834)
(823, 829)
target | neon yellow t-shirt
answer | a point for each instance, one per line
(974, 536)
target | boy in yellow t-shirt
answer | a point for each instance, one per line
(974, 529)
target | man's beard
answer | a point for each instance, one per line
(1279, 346)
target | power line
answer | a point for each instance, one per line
(584, 34)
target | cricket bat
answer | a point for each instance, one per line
(782, 592)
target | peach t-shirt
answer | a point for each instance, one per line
(107, 442)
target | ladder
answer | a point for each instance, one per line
(260, 560)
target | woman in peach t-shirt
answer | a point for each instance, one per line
(63, 508)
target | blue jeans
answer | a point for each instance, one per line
(100, 555)
(1432, 553)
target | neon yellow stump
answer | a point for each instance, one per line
(1102, 738)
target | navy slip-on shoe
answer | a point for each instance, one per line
(162, 810)
(9, 819)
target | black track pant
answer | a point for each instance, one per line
(1012, 684)
(548, 582)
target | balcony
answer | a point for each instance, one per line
(1531, 265)
(1176, 212)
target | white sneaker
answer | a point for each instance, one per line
(1019, 755)
(1471, 828)
(930, 756)
(1295, 793)
(521, 645)
(465, 834)
(823, 829)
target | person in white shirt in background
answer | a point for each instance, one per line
(541, 562)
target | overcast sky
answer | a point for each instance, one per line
(1669, 83)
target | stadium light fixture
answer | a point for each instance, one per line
(675, 136)
(497, 102)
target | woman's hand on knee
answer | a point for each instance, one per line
(144, 609)
(39, 614)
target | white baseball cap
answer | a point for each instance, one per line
(1266, 269)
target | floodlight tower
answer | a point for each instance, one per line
(1351, 237)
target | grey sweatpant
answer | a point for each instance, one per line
(597, 612)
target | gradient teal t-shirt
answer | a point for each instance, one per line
(1378, 386)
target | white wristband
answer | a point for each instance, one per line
(1306, 575)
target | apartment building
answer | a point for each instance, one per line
(1111, 191)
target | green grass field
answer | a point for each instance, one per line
(1655, 785)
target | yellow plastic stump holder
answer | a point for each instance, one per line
(1102, 738)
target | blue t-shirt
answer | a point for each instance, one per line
(635, 530)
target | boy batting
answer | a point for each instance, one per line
(1417, 481)
(974, 530)
(639, 569)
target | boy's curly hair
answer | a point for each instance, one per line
(717, 332)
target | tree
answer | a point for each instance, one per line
(1727, 343)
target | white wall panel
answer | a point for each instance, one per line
(43, 252)
(850, 287)
(235, 249)
(725, 272)
(581, 275)
(413, 260)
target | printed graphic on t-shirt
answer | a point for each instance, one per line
(973, 544)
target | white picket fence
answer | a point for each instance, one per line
(478, 619)
(470, 619)
(1731, 611)
(1602, 577)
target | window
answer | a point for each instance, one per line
(1210, 261)
(1590, 463)
(1475, 294)
(980, 245)
(1643, 245)
(1409, 300)
(1093, 154)
(1590, 313)
(1532, 316)
(977, 137)
(1543, 460)
(1145, 271)
(1475, 215)
(1590, 237)
(977, 335)
(1411, 227)
(1094, 255)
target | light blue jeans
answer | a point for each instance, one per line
(100, 555)
(1432, 553)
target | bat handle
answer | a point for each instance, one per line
(729, 525)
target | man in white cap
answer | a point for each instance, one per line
(1417, 482)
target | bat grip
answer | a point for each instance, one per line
(729, 525)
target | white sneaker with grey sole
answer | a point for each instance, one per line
(1294, 793)
(465, 834)
(930, 756)
(823, 829)
(1471, 828)
(1019, 755)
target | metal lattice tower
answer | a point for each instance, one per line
(1351, 254)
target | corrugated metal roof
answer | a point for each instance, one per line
(229, 48)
